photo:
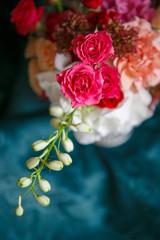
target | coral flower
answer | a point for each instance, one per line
(143, 68)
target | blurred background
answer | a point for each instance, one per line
(107, 193)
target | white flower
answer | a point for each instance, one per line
(61, 60)
(56, 111)
(83, 127)
(121, 120)
(43, 200)
(87, 138)
(47, 81)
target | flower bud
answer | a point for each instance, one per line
(32, 162)
(40, 145)
(43, 200)
(44, 184)
(24, 182)
(56, 123)
(19, 210)
(65, 158)
(53, 165)
(83, 127)
(56, 111)
(67, 145)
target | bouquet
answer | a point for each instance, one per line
(98, 63)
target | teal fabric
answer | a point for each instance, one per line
(111, 194)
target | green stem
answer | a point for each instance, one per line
(59, 6)
(38, 171)
(66, 135)
(30, 187)
(47, 151)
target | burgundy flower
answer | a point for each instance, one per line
(52, 20)
(98, 18)
(111, 82)
(111, 102)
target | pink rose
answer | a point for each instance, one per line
(81, 84)
(26, 16)
(111, 84)
(93, 48)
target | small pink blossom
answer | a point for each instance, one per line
(81, 84)
(129, 9)
(93, 48)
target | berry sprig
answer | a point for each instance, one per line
(72, 25)
(124, 38)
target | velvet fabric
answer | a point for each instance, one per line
(111, 194)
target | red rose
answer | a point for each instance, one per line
(26, 16)
(113, 14)
(102, 18)
(110, 102)
(81, 84)
(94, 4)
(111, 82)
(93, 48)
(111, 92)
(99, 17)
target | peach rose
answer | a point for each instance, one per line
(156, 20)
(143, 68)
(45, 52)
(34, 69)
(30, 48)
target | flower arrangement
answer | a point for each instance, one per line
(98, 63)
